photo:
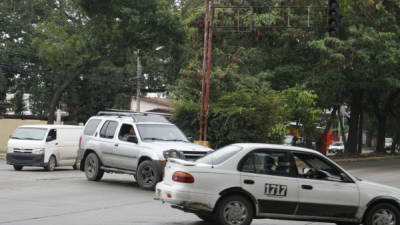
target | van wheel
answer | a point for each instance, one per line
(234, 210)
(74, 167)
(383, 213)
(51, 165)
(92, 168)
(147, 175)
(18, 168)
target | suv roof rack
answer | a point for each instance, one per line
(136, 116)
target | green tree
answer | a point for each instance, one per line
(18, 102)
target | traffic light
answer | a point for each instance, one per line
(333, 18)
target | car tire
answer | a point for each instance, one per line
(236, 210)
(93, 171)
(17, 167)
(207, 217)
(382, 213)
(75, 167)
(147, 175)
(51, 165)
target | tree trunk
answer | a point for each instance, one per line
(356, 99)
(341, 124)
(380, 146)
(360, 132)
(57, 96)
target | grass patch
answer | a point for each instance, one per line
(3, 151)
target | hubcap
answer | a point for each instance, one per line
(235, 213)
(383, 217)
(91, 167)
(52, 163)
(148, 175)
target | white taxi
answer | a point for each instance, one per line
(240, 182)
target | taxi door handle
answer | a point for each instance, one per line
(248, 181)
(307, 187)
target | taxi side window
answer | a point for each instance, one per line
(313, 167)
(267, 162)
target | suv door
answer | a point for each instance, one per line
(107, 143)
(325, 190)
(127, 150)
(268, 176)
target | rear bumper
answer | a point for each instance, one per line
(25, 159)
(183, 200)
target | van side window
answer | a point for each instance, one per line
(52, 134)
(108, 129)
(91, 126)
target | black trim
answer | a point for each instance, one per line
(326, 210)
(25, 159)
(277, 207)
(384, 198)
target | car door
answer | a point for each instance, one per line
(268, 176)
(127, 151)
(325, 190)
(107, 144)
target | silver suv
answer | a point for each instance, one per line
(132, 143)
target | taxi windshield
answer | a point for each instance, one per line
(29, 133)
(220, 155)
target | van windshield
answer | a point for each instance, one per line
(29, 133)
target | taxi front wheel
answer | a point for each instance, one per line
(235, 210)
(383, 214)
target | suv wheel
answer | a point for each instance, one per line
(92, 168)
(18, 168)
(235, 210)
(51, 165)
(383, 214)
(147, 175)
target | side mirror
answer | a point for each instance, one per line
(190, 139)
(132, 139)
(49, 138)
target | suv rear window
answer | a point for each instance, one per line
(91, 126)
(108, 129)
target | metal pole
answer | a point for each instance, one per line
(203, 81)
(210, 34)
(139, 75)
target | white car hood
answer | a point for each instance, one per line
(25, 144)
(176, 145)
(374, 189)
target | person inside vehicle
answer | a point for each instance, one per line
(130, 134)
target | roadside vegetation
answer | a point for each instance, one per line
(81, 55)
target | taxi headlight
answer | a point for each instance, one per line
(10, 150)
(172, 154)
(38, 151)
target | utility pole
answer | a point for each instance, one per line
(139, 75)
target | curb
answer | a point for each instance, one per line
(2, 156)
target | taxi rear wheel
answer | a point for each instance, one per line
(383, 214)
(235, 210)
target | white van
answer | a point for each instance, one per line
(44, 145)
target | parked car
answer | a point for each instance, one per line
(336, 147)
(133, 143)
(240, 182)
(47, 146)
(388, 143)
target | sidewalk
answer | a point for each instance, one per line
(2, 156)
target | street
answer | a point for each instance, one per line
(64, 197)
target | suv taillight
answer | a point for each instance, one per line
(80, 142)
(182, 177)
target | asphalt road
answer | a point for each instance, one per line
(64, 197)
